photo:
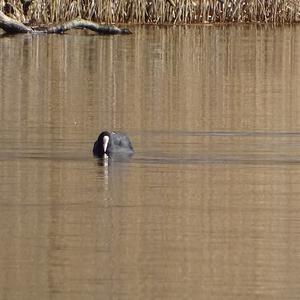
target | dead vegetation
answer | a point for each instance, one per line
(154, 11)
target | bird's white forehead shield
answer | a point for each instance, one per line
(105, 142)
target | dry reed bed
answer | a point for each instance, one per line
(161, 11)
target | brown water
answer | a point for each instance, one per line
(208, 207)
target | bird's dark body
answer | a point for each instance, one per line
(118, 144)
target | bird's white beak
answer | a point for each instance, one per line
(105, 143)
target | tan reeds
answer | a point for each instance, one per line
(164, 11)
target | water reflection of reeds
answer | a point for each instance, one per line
(163, 11)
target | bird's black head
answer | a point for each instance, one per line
(101, 145)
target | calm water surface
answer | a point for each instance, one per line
(208, 207)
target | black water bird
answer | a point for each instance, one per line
(112, 144)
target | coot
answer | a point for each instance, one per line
(112, 143)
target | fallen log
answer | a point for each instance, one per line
(12, 26)
(85, 24)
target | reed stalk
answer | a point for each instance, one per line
(161, 11)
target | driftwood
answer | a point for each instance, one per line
(12, 26)
(84, 24)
